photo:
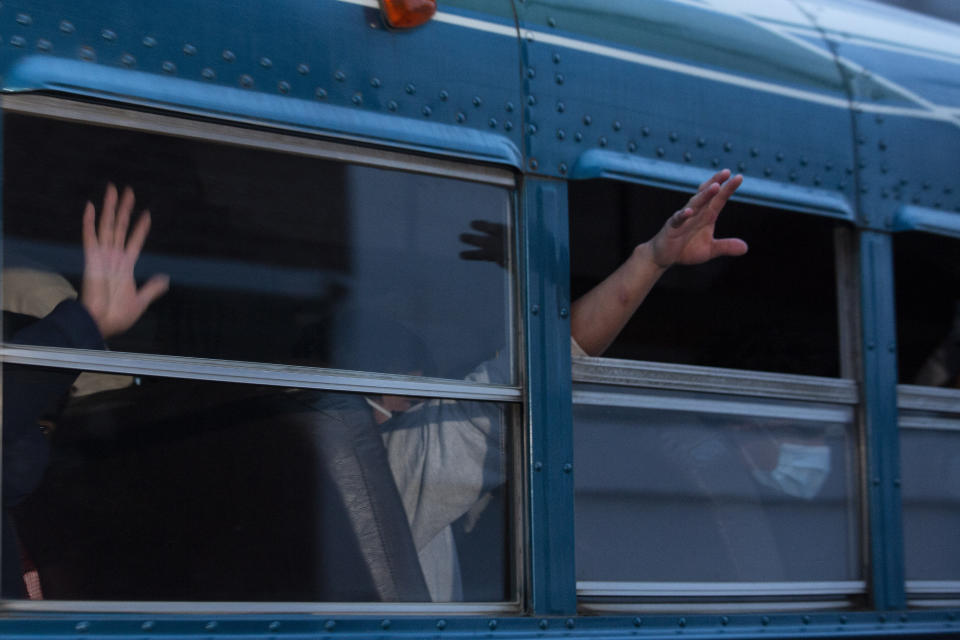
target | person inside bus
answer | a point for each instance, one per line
(110, 303)
(439, 451)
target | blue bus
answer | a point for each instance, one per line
(349, 403)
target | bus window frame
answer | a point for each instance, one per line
(263, 136)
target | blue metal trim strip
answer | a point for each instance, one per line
(880, 412)
(684, 177)
(549, 388)
(83, 79)
(914, 218)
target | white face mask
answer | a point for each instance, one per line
(800, 472)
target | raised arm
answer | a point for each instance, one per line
(686, 238)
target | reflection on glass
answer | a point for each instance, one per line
(930, 468)
(157, 489)
(272, 257)
(690, 496)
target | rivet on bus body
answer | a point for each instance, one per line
(266, 63)
(532, 129)
(208, 74)
(330, 625)
(228, 56)
(578, 136)
(375, 83)
(843, 619)
(806, 619)
(841, 186)
(441, 624)
(765, 620)
(727, 147)
(701, 142)
(561, 134)
(724, 620)
(210, 626)
(567, 467)
(849, 171)
(340, 76)
(561, 107)
(631, 146)
(274, 626)
(882, 145)
(793, 176)
(616, 125)
(741, 166)
(149, 41)
(587, 120)
(533, 163)
(493, 123)
(602, 141)
(443, 95)
(392, 105)
(882, 617)
(879, 119)
(508, 107)
(556, 58)
(551, 21)
(531, 100)
(246, 81)
(461, 117)
(896, 482)
(508, 126)
(538, 466)
(44, 45)
(303, 68)
(543, 624)
(673, 136)
(892, 348)
(767, 171)
(563, 168)
(147, 625)
(283, 86)
(492, 625)
(570, 623)
(357, 100)
(682, 622)
(67, 27)
(189, 50)
(884, 194)
(320, 93)
(687, 156)
(645, 132)
(558, 78)
(916, 199)
(385, 624)
(128, 60)
(779, 157)
(715, 162)
(531, 72)
(24, 19)
(871, 346)
(861, 139)
(427, 112)
(803, 161)
(947, 191)
(864, 190)
(637, 622)
(86, 53)
(477, 101)
(817, 181)
(754, 152)
(903, 617)
(660, 152)
(82, 626)
(108, 35)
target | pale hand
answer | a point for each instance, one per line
(687, 237)
(109, 291)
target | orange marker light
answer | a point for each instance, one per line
(406, 14)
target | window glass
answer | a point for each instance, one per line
(161, 489)
(272, 257)
(930, 468)
(773, 309)
(927, 277)
(683, 487)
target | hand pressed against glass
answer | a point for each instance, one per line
(109, 291)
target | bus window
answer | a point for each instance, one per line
(715, 443)
(927, 280)
(272, 257)
(321, 407)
